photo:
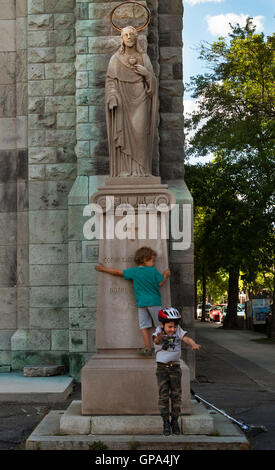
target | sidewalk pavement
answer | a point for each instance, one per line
(237, 375)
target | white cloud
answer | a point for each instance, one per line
(219, 25)
(189, 106)
(195, 2)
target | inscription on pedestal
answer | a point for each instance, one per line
(118, 290)
(129, 259)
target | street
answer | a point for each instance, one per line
(237, 375)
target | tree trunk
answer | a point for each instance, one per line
(231, 319)
(203, 295)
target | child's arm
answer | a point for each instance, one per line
(114, 272)
(191, 343)
(166, 274)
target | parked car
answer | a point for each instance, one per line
(207, 309)
(216, 312)
(240, 312)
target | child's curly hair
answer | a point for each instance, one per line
(144, 254)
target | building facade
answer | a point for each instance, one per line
(54, 155)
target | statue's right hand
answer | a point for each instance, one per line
(112, 102)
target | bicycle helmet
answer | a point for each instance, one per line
(169, 313)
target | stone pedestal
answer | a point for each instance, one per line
(116, 384)
(117, 381)
(117, 322)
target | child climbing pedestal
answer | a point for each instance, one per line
(117, 380)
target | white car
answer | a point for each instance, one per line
(207, 309)
(240, 312)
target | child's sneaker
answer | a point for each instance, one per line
(146, 352)
(175, 426)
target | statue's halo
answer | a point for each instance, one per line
(139, 28)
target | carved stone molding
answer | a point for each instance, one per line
(145, 197)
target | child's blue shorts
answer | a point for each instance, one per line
(148, 316)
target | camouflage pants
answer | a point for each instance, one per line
(169, 384)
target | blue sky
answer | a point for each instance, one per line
(206, 20)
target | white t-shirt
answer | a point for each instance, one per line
(170, 348)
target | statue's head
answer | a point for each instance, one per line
(129, 38)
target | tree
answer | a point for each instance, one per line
(235, 121)
(236, 100)
(221, 224)
(204, 266)
(217, 285)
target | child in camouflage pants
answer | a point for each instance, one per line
(167, 341)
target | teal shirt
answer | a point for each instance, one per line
(145, 280)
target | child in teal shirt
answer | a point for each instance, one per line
(147, 281)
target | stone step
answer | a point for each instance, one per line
(200, 421)
(47, 436)
(43, 371)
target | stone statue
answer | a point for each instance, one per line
(131, 108)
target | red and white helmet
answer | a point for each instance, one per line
(169, 313)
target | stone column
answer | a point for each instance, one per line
(172, 155)
(8, 178)
(170, 22)
(22, 175)
(182, 270)
(43, 338)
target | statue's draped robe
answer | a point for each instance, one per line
(131, 125)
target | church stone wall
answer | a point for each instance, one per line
(53, 157)
(50, 27)
(170, 25)
(13, 174)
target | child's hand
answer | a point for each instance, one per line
(99, 267)
(159, 337)
(167, 273)
(196, 347)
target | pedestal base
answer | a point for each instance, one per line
(73, 422)
(48, 436)
(121, 384)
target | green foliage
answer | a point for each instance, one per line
(98, 445)
(234, 194)
(236, 99)
(217, 285)
(133, 445)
